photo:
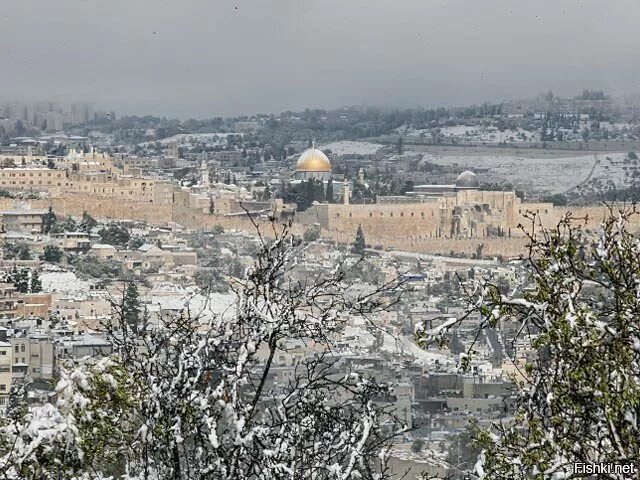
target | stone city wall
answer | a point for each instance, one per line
(110, 209)
(402, 232)
(491, 247)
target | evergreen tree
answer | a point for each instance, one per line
(131, 306)
(266, 193)
(115, 234)
(20, 279)
(49, 219)
(359, 243)
(329, 192)
(52, 254)
(87, 223)
(318, 191)
(408, 186)
(24, 253)
(312, 233)
(313, 191)
(418, 445)
(69, 224)
(35, 284)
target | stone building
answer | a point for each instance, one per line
(434, 211)
(33, 356)
(38, 179)
(23, 220)
(5, 368)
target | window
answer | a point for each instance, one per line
(3, 387)
(22, 348)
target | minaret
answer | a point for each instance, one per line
(204, 173)
(345, 194)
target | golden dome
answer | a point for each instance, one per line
(313, 160)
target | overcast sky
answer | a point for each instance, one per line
(205, 58)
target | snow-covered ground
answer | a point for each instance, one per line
(488, 134)
(474, 133)
(352, 148)
(358, 336)
(65, 283)
(402, 345)
(550, 175)
(198, 305)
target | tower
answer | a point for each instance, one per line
(345, 194)
(204, 174)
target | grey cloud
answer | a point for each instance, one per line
(207, 57)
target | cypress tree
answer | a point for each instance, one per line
(35, 284)
(359, 243)
(131, 306)
(329, 192)
(48, 220)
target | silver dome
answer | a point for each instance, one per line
(467, 179)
